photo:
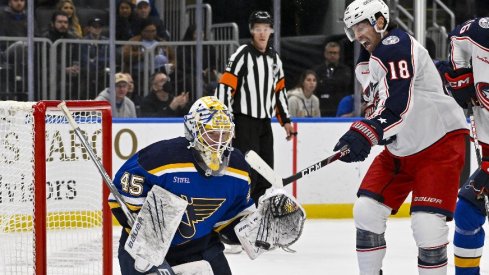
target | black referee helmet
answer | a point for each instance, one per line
(260, 17)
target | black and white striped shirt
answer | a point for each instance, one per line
(254, 84)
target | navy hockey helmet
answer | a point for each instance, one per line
(260, 17)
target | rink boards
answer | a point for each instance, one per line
(326, 193)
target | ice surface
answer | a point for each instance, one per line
(328, 247)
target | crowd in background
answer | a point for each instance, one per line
(325, 89)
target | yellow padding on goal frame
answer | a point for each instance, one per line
(55, 220)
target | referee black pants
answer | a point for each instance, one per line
(255, 134)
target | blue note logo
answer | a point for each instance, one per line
(484, 22)
(390, 40)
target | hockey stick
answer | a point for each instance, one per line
(108, 181)
(258, 164)
(478, 154)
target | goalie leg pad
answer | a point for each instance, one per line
(193, 268)
(155, 226)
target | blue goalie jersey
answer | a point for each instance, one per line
(213, 201)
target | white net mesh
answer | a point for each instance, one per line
(73, 192)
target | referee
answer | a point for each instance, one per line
(253, 88)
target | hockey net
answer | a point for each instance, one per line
(54, 217)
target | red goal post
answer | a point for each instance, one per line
(54, 216)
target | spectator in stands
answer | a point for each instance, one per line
(187, 62)
(69, 8)
(142, 13)
(152, 4)
(160, 103)
(334, 80)
(60, 29)
(124, 106)
(302, 101)
(132, 94)
(94, 59)
(13, 23)
(130, 89)
(123, 30)
(13, 19)
(95, 26)
(134, 54)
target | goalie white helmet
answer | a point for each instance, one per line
(209, 128)
(360, 10)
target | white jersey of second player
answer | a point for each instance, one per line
(470, 48)
(401, 81)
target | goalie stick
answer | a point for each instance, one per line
(258, 164)
(478, 154)
(108, 181)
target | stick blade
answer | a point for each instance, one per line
(259, 165)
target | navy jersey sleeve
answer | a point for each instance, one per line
(392, 78)
(364, 56)
(133, 183)
(134, 179)
(475, 30)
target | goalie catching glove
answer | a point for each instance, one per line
(277, 222)
(360, 138)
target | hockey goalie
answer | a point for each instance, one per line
(192, 193)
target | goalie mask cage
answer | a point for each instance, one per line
(54, 216)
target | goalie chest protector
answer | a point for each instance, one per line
(171, 165)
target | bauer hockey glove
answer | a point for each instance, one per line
(360, 138)
(481, 179)
(461, 85)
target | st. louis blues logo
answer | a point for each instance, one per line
(198, 210)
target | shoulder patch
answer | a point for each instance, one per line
(484, 22)
(390, 40)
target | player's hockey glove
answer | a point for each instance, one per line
(360, 138)
(481, 179)
(461, 85)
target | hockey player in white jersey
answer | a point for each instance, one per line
(468, 79)
(423, 131)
